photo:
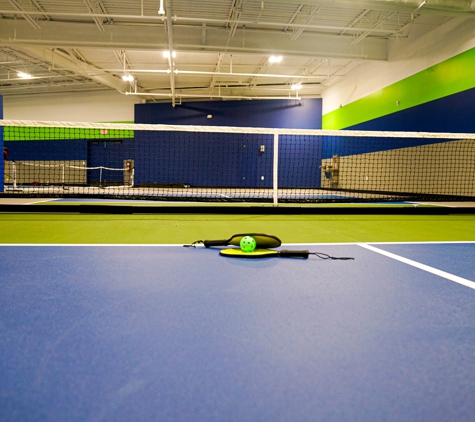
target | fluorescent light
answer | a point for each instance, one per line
(166, 54)
(24, 75)
(275, 59)
(127, 77)
(296, 87)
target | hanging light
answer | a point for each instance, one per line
(275, 59)
(127, 77)
(161, 11)
(24, 75)
(166, 54)
(296, 87)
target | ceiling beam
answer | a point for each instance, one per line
(97, 20)
(380, 22)
(450, 8)
(66, 62)
(217, 71)
(189, 39)
(234, 15)
(309, 19)
(384, 6)
(25, 15)
(40, 8)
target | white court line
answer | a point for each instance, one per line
(105, 245)
(440, 273)
(449, 242)
(434, 242)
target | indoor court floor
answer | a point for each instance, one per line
(109, 318)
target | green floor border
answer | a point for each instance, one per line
(186, 228)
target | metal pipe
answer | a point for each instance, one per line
(266, 75)
(170, 48)
(234, 97)
(211, 73)
(183, 47)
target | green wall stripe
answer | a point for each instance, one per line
(449, 77)
(28, 133)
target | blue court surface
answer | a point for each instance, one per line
(166, 333)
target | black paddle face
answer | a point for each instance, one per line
(266, 253)
(262, 240)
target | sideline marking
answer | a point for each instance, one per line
(140, 245)
(460, 280)
(283, 244)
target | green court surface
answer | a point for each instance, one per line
(56, 228)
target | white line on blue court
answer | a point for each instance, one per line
(449, 242)
(435, 242)
(112, 245)
(463, 281)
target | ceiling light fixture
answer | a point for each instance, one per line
(275, 59)
(166, 54)
(24, 75)
(161, 11)
(296, 87)
(126, 76)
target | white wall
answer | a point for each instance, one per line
(102, 106)
(425, 46)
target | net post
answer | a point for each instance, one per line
(14, 174)
(275, 186)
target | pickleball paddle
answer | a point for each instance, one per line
(262, 241)
(266, 253)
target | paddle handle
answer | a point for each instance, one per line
(209, 243)
(294, 254)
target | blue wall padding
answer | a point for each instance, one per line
(111, 154)
(291, 113)
(228, 159)
(47, 150)
(299, 161)
(234, 161)
(454, 114)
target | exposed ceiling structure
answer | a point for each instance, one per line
(182, 50)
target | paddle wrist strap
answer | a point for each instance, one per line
(294, 253)
(209, 243)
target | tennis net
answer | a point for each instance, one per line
(212, 163)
